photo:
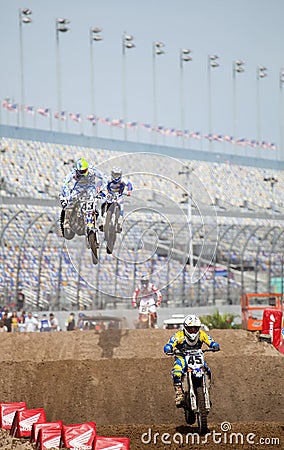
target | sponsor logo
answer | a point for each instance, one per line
(54, 442)
(26, 424)
(79, 441)
(8, 419)
(271, 325)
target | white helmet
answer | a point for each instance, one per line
(145, 280)
(191, 329)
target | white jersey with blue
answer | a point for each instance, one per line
(74, 183)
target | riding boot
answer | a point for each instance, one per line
(179, 395)
(102, 224)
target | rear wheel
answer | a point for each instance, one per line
(94, 247)
(202, 413)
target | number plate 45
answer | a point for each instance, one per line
(195, 360)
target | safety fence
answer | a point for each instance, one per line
(52, 273)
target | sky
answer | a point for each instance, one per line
(250, 30)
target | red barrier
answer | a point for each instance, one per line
(8, 411)
(111, 443)
(78, 436)
(48, 438)
(272, 324)
(40, 426)
(24, 420)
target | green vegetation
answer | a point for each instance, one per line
(217, 320)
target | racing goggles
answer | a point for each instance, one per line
(83, 172)
(192, 330)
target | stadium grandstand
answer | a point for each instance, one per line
(232, 207)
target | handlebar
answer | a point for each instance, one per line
(182, 353)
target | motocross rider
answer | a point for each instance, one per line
(150, 297)
(115, 185)
(190, 337)
(81, 178)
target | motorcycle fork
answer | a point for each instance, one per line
(90, 222)
(192, 395)
(206, 393)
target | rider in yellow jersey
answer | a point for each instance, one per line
(190, 337)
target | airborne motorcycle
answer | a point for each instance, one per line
(83, 220)
(111, 222)
(196, 384)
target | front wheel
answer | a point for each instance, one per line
(110, 232)
(94, 247)
(202, 413)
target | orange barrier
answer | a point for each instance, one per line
(253, 306)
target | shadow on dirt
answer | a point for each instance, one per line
(109, 340)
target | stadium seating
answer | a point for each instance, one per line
(35, 260)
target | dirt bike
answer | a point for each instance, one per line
(111, 222)
(88, 211)
(196, 386)
(146, 318)
(82, 217)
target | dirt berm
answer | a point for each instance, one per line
(121, 380)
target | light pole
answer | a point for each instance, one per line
(212, 63)
(24, 17)
(261, 72)
(157, 49)
(187, 171)
(238, 67)
(183, 57)
(60, 27)
(127, 43)
(281, 115)
(94, 37)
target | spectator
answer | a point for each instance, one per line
(38, 323)
(20, 300)
(21, 324)
(80, 324)
(45, 323)
(70, 324)
(3, 327)
(54, 322)
(14, 321)
(7, 322)
(31, 323)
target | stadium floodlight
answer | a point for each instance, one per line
(157, 50)
(127, 43)
(184, 56)
(60, 27)
(94, 37)
(261, 72)
(24, 17)
(212, 63)
(281, 77)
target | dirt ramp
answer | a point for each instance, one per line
(122, 376)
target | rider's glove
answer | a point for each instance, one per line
(168, 349)
(215, 346)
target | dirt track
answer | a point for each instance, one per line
(121, 380)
